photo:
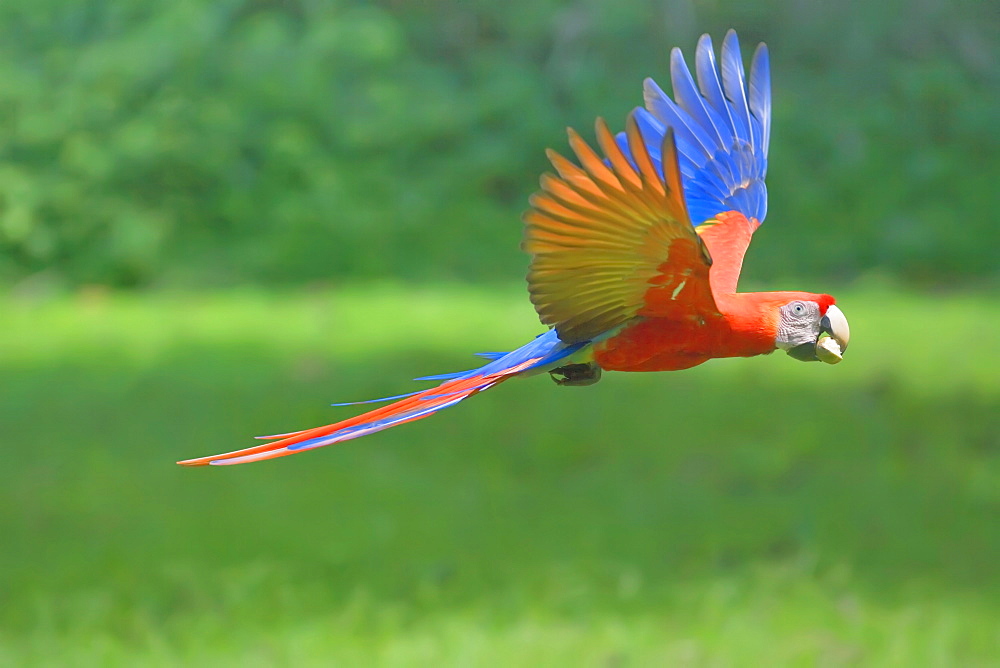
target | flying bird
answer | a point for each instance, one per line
(636, 253)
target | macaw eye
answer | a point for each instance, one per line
(798, 308)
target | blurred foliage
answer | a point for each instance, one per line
(239, 141)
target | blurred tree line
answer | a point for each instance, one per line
(210, 142)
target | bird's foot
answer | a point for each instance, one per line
(576, 374)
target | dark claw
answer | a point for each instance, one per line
(576, 374)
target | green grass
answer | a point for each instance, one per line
(748, 512)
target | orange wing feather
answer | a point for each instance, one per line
(611, 240)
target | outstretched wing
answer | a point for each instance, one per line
(722, 127)
(612, 240)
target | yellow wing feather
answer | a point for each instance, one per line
(609, 237)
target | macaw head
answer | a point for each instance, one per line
(811, 328)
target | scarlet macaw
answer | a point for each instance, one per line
(635, 256)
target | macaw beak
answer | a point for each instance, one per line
(834, 335)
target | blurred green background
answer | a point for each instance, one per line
(216, 217)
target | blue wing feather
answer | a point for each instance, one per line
(722, 128)
(711, 87)
(732, 84)
(690, 100)
(760, 93)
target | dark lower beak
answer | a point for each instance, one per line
(805, 352)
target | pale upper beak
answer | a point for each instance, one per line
(834, 335)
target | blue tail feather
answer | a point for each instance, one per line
(377, 401)
(444, 376)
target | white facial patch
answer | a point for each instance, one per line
(799, 322)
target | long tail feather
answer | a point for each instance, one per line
(544, 350)
(380, 399)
